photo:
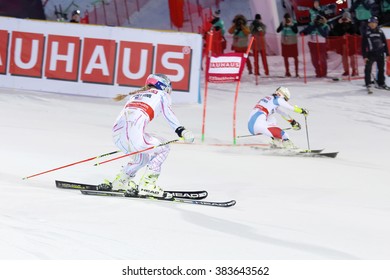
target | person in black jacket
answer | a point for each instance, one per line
(75, 16)
(374, 49)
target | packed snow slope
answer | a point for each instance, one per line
(287, 207)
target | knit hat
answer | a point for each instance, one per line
(217, 13)
(347, 15)
(76, 12)
(373, 19)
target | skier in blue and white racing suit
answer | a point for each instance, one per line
(262, 120)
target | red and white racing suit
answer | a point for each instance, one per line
(129, 130)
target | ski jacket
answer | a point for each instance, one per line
(374, 43)
(272, 104)
(150, 104)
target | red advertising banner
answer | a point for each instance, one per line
(225, 68)
(62, 56)
(136, 63)
(3, 51)
(174, 61)
(27, 51)
(98, 61)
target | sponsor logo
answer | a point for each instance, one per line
(189, 195)
(149, 191)
(93, 60)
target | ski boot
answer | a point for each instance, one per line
(276, 143)
(147, 186)
(121, 182)
(288, 144)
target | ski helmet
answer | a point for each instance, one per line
(283, 91)
(159, 81)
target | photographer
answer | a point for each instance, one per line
(240, 32)
(318, 31)
(316, 10)
(289, 29)
(361, 10)
(258, 30)
(344, 30)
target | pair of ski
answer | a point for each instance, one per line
(188, 197)
(370, 89)
(300, 153)
(376, 85)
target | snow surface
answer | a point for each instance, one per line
(287, 207)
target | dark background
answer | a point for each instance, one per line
(22, 9)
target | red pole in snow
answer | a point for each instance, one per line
(71, 164)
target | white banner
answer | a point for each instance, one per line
(96, 60)
(225, 68)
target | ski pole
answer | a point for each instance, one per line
(250, 135)
(307, 134)
(71, 164)
(138, 152)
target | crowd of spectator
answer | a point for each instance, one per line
(343, 34)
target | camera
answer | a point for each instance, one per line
(239, 22)
(319, 19)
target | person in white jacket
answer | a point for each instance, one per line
(129, 136)
(262, 120)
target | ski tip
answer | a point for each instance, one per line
(330, 155)
(232, 203)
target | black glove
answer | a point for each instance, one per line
(305, 112)
(187, 135)
(295, 125)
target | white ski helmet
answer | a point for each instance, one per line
(283, 91)
(159, 81)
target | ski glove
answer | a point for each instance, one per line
(295, 125)
(298, 110)
(187, 135)
(304, 112)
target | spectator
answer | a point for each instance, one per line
(319, 32)
(315, 10)
(385, 8)
(217, 22)
(218, 26)
(240, 32)
(374, 49)
(289, 29)
(75, 16)
(346, 28)
(258, 30)
(361, 9)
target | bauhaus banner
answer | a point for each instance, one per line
(96, 60)
(225, 68)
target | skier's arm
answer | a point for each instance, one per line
(168, 113)
(173, 121)
(302, 111)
